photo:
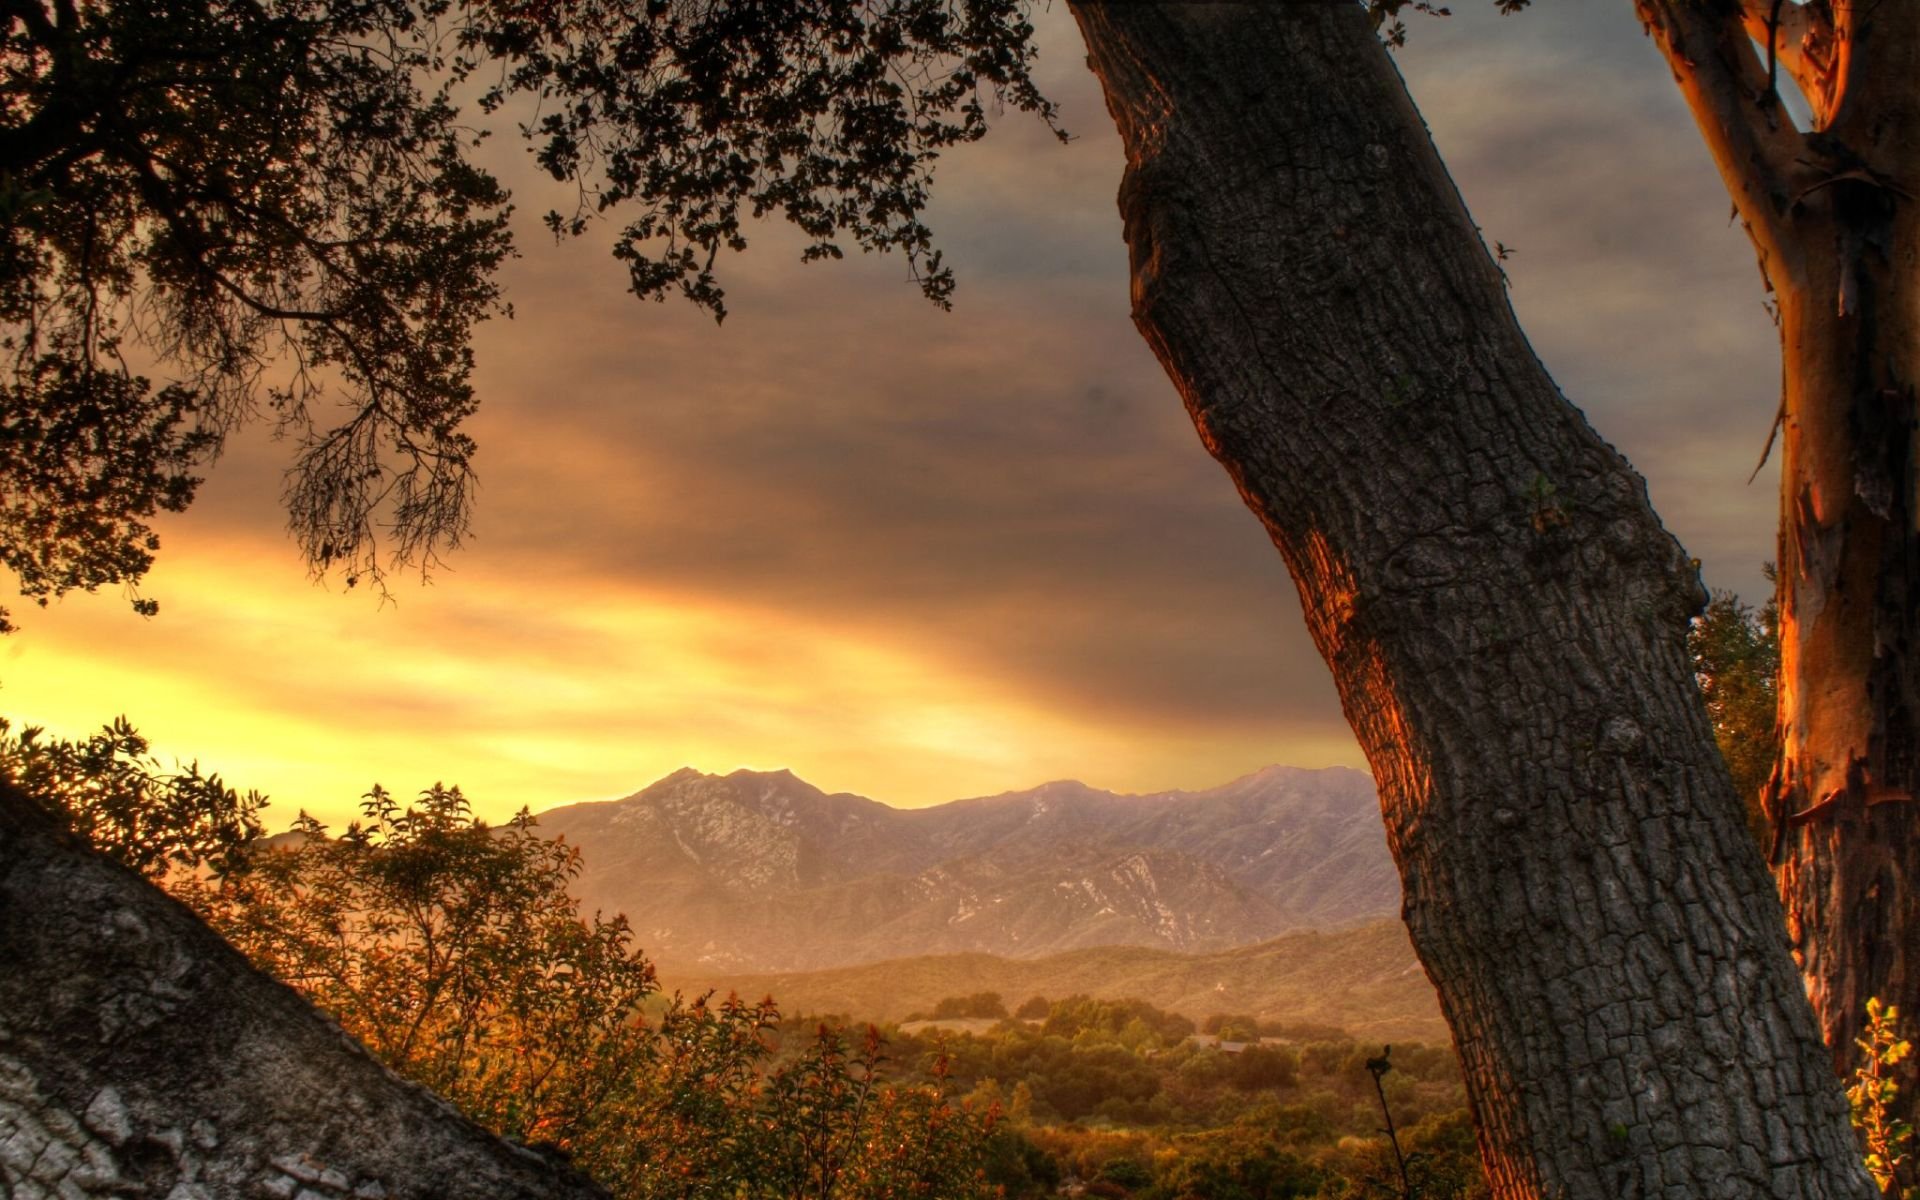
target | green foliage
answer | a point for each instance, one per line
(1736, 659)
(1231, 1028)
(1201, 1122)
(275, 204)
(453, 951)
(1133, 1021)
(110, 790)
(1259, 1068)
(1875, 1098)
(839, 1134)
(1442, 1163)
(1236, 1163)
(1019, 1167)
(1033, 1008)
(980, 1005)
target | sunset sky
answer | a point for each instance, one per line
(912, 554)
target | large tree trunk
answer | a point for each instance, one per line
(1833, 214)
(1848, 863)
(1502, 612)
(140, 1055)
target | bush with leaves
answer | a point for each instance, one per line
(453, 950)
(1736, 659)
(832, 1129)
(112, 791)
(1875, 1097)
(979, 1006)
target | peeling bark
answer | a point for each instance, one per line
(1843, 795)
(140, 1055)
(1502, 613)
(1834, 212)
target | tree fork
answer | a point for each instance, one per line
(1502, 613)
(1832, 213)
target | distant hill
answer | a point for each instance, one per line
(759, 871)
(1364, 980)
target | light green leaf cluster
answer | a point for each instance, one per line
(1875, 1098)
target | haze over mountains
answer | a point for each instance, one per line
(761, 871)
(1364, 980)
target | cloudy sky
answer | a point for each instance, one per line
(912, 554)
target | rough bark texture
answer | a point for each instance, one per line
(1502, 613)
(140, 1055)
(1832, 213)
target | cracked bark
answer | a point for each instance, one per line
(1502, 613)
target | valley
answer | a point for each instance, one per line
(1364, 981)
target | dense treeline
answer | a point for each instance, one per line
(1117, 1098)
(453, 950)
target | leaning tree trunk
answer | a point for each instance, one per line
(141, 1056)
(1501, 610)
(1835, 218)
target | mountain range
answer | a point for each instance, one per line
(761, 871)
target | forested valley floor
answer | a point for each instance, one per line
(455, 953)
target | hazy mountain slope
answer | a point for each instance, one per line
(1363, 979)
(1310, 841)
(761, 870)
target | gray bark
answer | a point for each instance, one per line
(1502, 613)
(140, 1055)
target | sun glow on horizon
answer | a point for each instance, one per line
(551, 691)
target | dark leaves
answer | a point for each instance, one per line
(112, 792)
(828, 112)
(270, 206)
(88, 457)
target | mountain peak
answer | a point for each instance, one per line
(781, 774)
(761, 867)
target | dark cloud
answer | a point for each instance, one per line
(1008, 500)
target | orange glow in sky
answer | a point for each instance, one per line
(545, 693)
(911, 554)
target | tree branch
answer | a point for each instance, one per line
(1756, 149)
(1875, 50)
(1800, 38)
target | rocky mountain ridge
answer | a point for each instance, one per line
(763, 871)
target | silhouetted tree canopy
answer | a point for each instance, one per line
(110, 790)
(217, 209)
